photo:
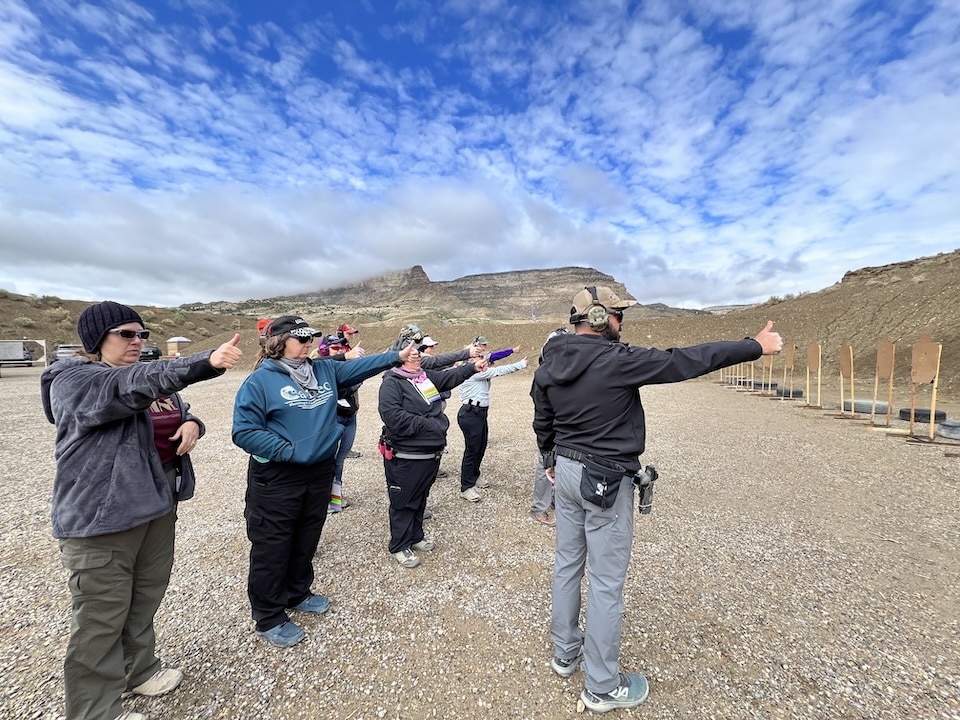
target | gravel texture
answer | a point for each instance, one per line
(796, 565)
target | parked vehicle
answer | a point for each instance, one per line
(14, 352)
(149, 353)
(66, 350)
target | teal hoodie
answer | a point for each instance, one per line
(277, 421)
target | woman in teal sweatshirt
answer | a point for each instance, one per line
(285, 416)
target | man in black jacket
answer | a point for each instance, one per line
(591, 432)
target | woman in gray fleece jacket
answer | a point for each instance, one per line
(123, 435)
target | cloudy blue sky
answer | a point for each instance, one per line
(702, 152)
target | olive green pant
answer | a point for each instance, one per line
(117, 582)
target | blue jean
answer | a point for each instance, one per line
(346, 445)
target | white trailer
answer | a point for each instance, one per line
(13, 352)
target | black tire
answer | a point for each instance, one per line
(922, 415)
(865, 407)
(785, 392)
(949, 429)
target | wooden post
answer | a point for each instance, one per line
(766, 375)
(813, 365)
(789, 358)
(846, 371)
(886, 351)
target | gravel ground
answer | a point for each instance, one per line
(796, 565)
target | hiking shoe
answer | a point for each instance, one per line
(632, 691)
(316, 604)
(427, 514)
(407, 557)
(426, 545)
(442, 473)
(160, 683)
(345, 503)
(471, 494)
(566, 668)
(286, 634)
(544, 518)
(482, 483)
(352, 454)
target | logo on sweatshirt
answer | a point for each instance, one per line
(295, 397)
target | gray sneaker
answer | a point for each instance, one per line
(406, 557)
(425, 545)
(566, 668)
(471, 494)
(631, 691)
(160, 683)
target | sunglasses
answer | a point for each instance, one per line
(301, 340)
(618, 314)
(131, 334)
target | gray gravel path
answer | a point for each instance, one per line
(795, 566)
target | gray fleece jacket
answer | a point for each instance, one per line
(109, 476)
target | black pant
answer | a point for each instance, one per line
(472, 420)
(286, 507)
(408, 484)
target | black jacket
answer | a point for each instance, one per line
(412, 424)
(586, 393)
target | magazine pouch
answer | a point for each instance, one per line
(600, 481)
(383, 445)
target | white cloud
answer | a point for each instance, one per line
(725, 154)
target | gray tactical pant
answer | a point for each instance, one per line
(599, 541)
(542, 489)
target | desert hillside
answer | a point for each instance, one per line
(901, 300)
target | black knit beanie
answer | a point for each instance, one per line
(97, 320)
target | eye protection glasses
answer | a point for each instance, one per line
(301, 340)
(130, 334)
(618, 314)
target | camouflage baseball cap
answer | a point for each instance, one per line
(584, 299)
(411, 332)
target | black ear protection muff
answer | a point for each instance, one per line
(597, 316)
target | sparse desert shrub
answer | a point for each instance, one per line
(148, 315)
(203, 332)
(24, 322)
(58, 314)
